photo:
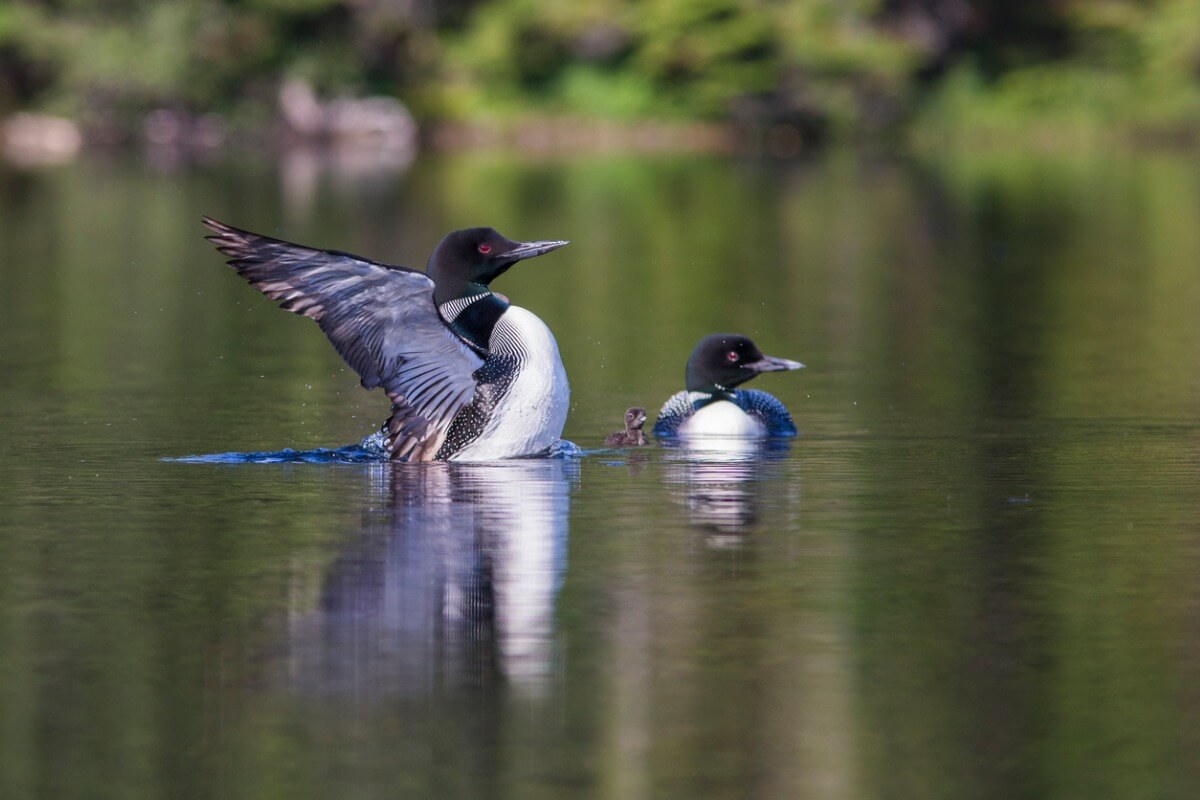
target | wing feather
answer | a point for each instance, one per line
(380, 318)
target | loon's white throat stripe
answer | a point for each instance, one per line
(452, 308)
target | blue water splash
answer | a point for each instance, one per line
(564, 449)
(351, 454)
(368, 451)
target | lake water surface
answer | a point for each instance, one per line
(976, 573)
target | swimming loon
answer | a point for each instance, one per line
(712, 407)
(470, 377)
(632, 436)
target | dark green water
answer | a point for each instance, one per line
(975, 574)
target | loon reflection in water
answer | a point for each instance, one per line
(451, 581)
(722, 479)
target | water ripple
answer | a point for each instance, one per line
(369, 450)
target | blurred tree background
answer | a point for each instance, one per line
(829, 69)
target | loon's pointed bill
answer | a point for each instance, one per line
(531, 249)
(448, 378)
(773, 364)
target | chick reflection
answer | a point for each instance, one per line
(721, 479)
(451, 581)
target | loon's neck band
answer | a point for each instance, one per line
(452, 308)
(702, 397)
(473, 317)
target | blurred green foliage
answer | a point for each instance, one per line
(834, 68)
(1130, 67)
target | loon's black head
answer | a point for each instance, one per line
(635, 418)
(722, 361)
(467, 260)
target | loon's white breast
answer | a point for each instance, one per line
(530, 415)
(721, 418)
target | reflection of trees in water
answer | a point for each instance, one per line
(451, 581)
(722, 480)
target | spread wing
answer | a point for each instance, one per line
(383, 322)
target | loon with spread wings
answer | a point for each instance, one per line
(470, 377)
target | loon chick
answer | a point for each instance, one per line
(632, 436)
(470, 377)
(712, 407)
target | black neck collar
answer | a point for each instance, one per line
(473, 316)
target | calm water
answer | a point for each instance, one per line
(975, 574)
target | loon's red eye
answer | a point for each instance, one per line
(731, 356)
(485, 248)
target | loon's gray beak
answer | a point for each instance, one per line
(773, 364)
(531, 249)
